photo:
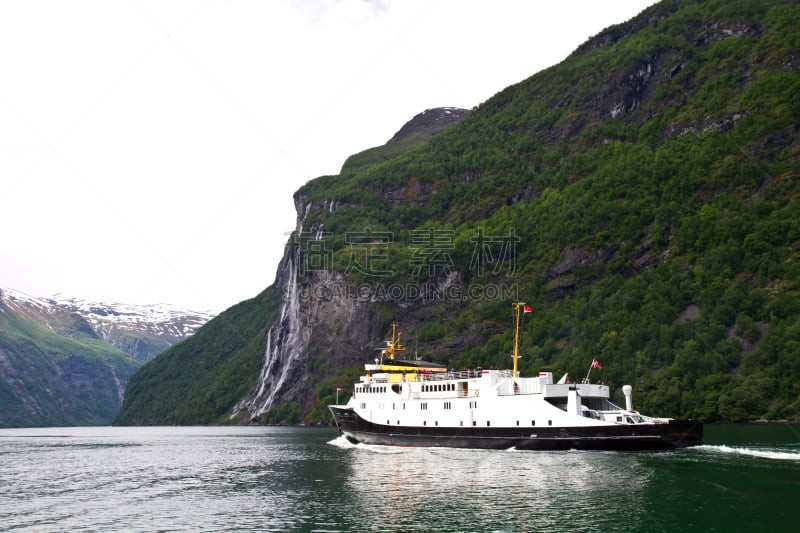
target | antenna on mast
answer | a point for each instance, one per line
(394, 345)
(520, 308)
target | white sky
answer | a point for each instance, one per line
(149, 150)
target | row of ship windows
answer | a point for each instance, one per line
(474, 423)
(374, 390)
(442, 387)
(447, 405)
(439, 387)
(423, 405)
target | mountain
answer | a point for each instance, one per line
(642, 196)
(59, 363)
(141, 331)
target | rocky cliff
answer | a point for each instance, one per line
(323, 322)
(642, 196)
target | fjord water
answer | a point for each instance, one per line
(309, 479)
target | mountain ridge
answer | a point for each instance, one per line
(140, 330)
(641, 195)
(62, 359)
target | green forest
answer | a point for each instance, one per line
(641, 196)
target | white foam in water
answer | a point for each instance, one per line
(342, 442)
(767, 454)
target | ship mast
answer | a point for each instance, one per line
(394, 345)
(518, 307)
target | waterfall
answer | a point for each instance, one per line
(261, 384)
(284, 353)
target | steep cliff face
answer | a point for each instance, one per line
(320, 320)
(607, 167)
(642, 196)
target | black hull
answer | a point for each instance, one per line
(675, 434)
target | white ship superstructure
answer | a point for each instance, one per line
(405, 402)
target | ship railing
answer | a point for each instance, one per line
(450, 374)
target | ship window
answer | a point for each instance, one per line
(517, 422)
(462, 422)
(549, 422)
(533, 422)
(474, 423)
(424, 422)
(488, 423)
(436, 423)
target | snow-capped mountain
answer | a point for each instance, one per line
(141, 331)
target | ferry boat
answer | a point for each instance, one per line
(403, 402)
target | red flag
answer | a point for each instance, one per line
(527, 309)
(596, 364)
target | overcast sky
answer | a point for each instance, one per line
(149, 150)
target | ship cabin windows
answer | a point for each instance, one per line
(448, 405)
(423, 406)
(439, 387)
(367, 389)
